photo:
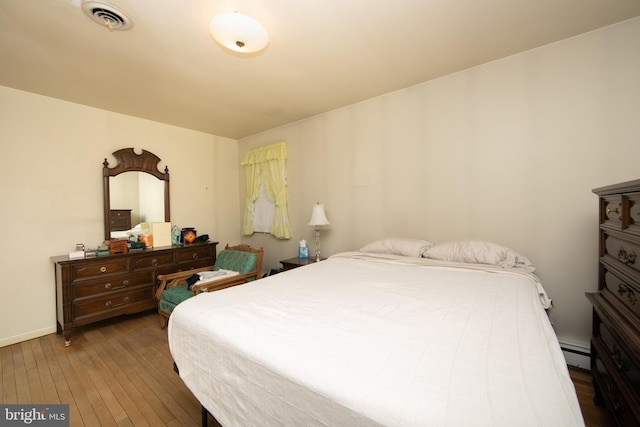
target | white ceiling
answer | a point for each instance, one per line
(323, 54)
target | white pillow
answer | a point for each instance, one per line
(398, 246)
(478, 252)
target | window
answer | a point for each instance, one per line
(265, 170)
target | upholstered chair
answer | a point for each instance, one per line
(234, 266)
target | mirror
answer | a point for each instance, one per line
(135, 191)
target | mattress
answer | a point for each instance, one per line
(372, 340)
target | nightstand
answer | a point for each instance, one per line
(288, 264)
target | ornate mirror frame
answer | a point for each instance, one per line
(129, 161)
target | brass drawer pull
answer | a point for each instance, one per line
(154, 262)
(627, 258)
(125, 283)
(616, 210)
(194, 256)
(624, 289)
(620, 364)
(112, 305)
(613, 396)
(103, 269)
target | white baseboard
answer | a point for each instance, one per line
(27, 336)
(576, 356)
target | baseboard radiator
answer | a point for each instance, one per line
(576, 356)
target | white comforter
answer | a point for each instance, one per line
(381, 340)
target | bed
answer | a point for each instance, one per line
(380, 337)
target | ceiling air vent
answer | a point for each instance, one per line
(107, 15)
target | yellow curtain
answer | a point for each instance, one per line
(271, 161)
(252, 173)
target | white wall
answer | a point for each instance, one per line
(51, 192)
(506, 152)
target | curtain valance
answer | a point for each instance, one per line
(266, 165)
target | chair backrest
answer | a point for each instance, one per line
(242, 258)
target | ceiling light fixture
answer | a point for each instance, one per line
(238, 32)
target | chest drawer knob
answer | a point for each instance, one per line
(617, 405)
(103, 269)
(154, 262)
(112, 305)
(194, 256)
(624, 289)
(627, 258)
(620, 364)
(616, 210)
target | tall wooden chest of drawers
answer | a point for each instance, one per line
(120, 219)
(93, 289)
(615, 342)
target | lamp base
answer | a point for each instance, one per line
(317, 244)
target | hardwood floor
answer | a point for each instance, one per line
(116, 373)
(119, 373)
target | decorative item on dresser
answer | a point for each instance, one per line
(93, 289)
(615, 342)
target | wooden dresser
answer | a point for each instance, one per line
(93, 289)
(615, 342)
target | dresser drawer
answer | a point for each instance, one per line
(608, 386)
(106, 306)
(111, 284)
(624, 291)
(624, 252)
(619, 357)
(194, 253)
(633, 212)
(96, 268)
(611, 214)
(621, 212)
(152, 260)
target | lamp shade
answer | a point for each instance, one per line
(318, 217)
(238, 32)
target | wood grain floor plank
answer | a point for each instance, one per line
(85, 415)
(143, 413)
(157, 363)
(86, 375)
(62, 387)
(134, 371)
(9, 392)
(44, 367)
(111, 372)
(100, 378)
(36, 391)
(22, 382)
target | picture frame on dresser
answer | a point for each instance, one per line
(615, 341)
